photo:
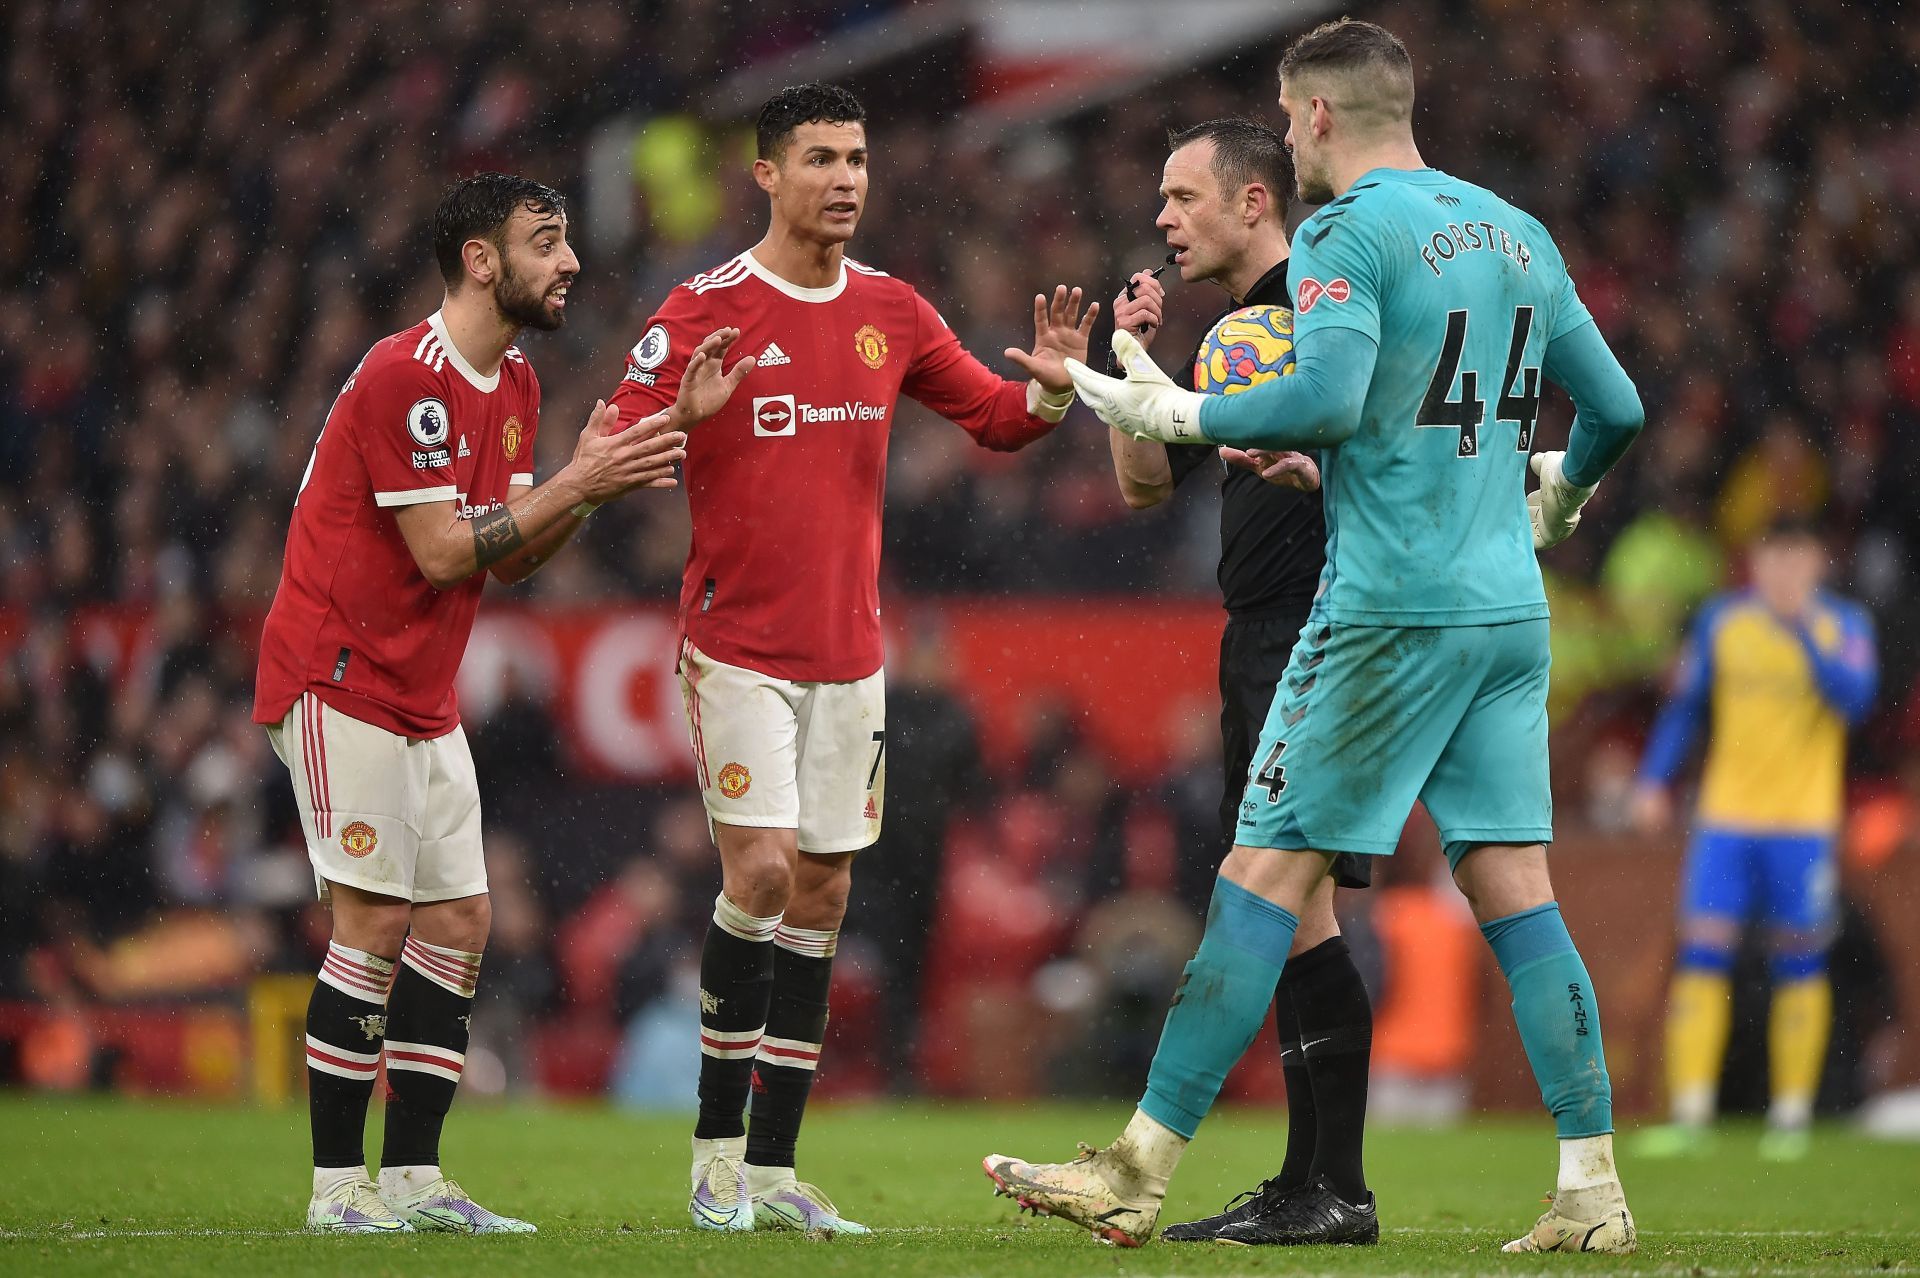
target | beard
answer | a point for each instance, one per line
(1313, 187)
(523, 307)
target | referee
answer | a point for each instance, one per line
(1225, 221)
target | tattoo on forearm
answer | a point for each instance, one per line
(496, 535)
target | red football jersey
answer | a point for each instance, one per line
(785, 484)
(354, 620)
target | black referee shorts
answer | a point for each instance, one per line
(1253, 656)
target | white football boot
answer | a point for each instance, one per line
(720, 1199)
(801, 1207)
(353, 1206)
(444, 1207)
(1093, 1191)
(1594, 1219)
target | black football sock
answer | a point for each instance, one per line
(1336, 1034)
(736, 984)
(1302, 1124)
(796, 1027)
(426, 1051)
(346, 1022)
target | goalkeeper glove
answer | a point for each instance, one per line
(1146, 405)
(1554, 507)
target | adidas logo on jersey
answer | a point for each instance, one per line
(464, 450)
(773, 356)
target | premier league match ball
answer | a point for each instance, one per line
(1250, 346)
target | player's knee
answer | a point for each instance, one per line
(1289, 879)
(820, 898)
(364, 921)
(828, 901)
(757, 867)
(384, 935)
(1318, 923)
(1708, 943)
(458, 925)
(1500, 880)
(760, 883)
(1795, 955)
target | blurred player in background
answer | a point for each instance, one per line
(1778, 672)
(1427, 312)
(780, 654)
(420, 484)
(1225, 218)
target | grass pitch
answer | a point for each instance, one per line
(100, 1186)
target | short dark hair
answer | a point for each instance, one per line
(1244, 151)
(479, 208)
(1378, 71)
(798, 104)
(1794, 526)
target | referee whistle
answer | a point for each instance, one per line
(1155, 273)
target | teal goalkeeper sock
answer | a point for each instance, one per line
(1558, 1016)
(1222, 1001)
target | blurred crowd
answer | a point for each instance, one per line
(217, 209)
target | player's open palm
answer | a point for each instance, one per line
(1060, 333)
(609, 461)
(704, 389)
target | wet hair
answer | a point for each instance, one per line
(1371, 74)
(479, 208)
(798, 104)
(1244, 151)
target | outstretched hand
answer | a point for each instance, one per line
(1060, 333)
(1145, 403)
(704, 389)
(609, 461)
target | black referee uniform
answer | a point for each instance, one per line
(1273, 544)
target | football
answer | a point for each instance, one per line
(1245, 348)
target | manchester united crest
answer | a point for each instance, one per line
(510, 436)
(734, 780)
(871, 344)
(358, 839)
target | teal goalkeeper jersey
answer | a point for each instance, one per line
(1426, 503)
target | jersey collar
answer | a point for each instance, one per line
(1270, 289)
(485, 385)
(795, 291)
(1421, 177)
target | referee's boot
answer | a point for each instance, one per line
(1311, 1215)
(1248, 1202)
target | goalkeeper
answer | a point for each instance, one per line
(1427, 313)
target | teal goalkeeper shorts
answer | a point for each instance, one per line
(1369, 718)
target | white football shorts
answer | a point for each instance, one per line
(383, 812)
(810, 757)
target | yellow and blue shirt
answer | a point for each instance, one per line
(1781, 695)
